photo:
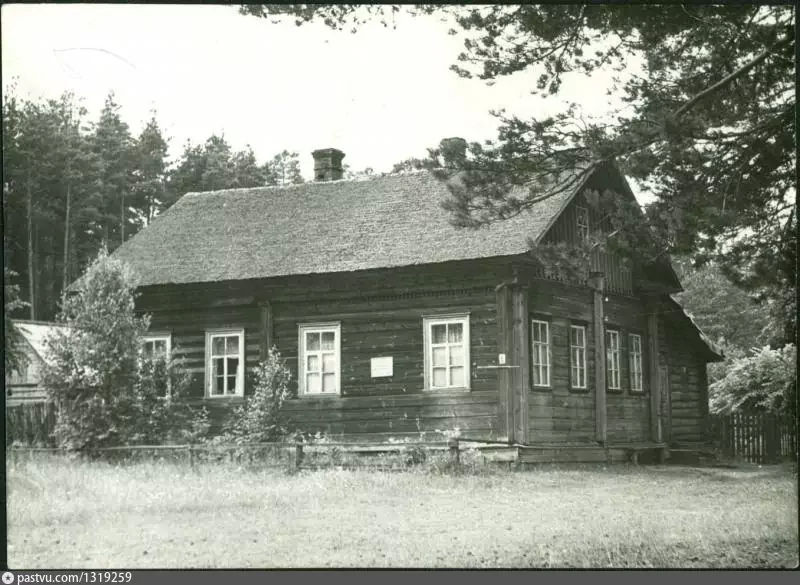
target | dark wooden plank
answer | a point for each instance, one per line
(653, 369)
(265, 330)
(520, 376)
(505, 342)
(598, 328)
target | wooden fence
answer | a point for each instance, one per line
(31, 423)
(756, 437)
(292, 455)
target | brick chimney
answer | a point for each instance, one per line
(328, 164)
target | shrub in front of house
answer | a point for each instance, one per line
(106, 394)
(260, 418)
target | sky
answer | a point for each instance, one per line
(380, 95)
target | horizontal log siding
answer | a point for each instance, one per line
(380, 314)
(560, 414)
(688, 391)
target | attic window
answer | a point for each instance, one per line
(582, 219)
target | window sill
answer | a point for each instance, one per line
(446, 390)
(314, 396)
(541, 388)
(225, 397)
(614, 391)
(578, 390)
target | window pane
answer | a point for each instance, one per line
(218, 345)
(312, 341)
(439, 356)
(328, 338)
(219, 385)
(455, 332)
(312, 363)
(312, 383)
(231, 384)
(147, 349)
(438, 333)
(217, 367)
(329, 362)
(456, 355)
(329, 382)
(233, 345)
(233, 365)
(439, 377)
(160, 348)
(457, 376)
(537, 376)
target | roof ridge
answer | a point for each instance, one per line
(359, 179)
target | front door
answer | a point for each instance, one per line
(665, 410)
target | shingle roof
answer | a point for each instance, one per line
(713, 353)
(338, 226)
(35, 333)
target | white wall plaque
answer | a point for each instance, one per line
(501, 358)
(382, 367)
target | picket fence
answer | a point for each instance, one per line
(756, 437)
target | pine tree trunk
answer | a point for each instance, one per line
(31, 279)
(65, 279)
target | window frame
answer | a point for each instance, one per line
(631, 354)
(153, 337)
(548, 353)
(427, 324)
(611, 355)
(304, 328)
(167, 338)
(209, 378)
(582, 228)
(584, 366)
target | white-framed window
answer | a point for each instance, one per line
(635, 359)
(612, 359)
(156, 346)
(225, 363)
(446, 352)
(582, 222)
(577, 355)
(540, 352)
(320, 358)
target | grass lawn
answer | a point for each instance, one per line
(95, 515)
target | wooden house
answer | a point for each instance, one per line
(24, 385)
(395, 322)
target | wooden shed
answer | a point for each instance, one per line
(24, 385)
(394, 322)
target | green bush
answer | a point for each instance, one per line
(765, 381)
(105, 393)
(260, 419)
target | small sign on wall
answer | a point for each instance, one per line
(382, 367)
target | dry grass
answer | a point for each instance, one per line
(93, 515)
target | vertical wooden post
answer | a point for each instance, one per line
(655, 386)
(191, 456)
(265, 329)
(504, 381)
(520, 375)
(298, 455)
(453, 446)
(598, 326)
